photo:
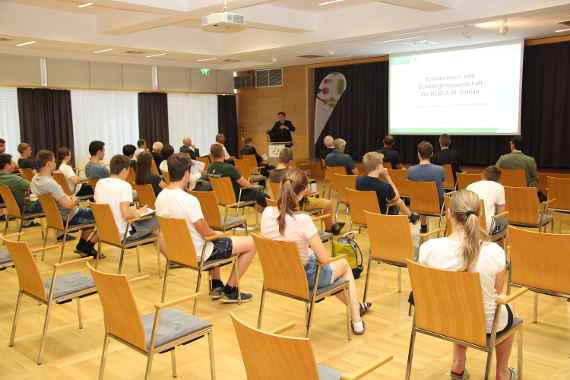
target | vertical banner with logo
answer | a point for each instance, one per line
(330, 91)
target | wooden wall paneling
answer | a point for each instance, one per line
(19, 70)
(68, 73)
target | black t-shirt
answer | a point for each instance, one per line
(276, 134)
(250, 150)
(392, 156)
(384, 191)
(27, 163)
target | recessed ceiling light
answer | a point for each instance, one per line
(273, 59)
(156, 55)
(206, 59)
(398, 40)
(102, 51)
(330, 2)
(563, 30)
(22, 44)
(425, 43)
(85, 5)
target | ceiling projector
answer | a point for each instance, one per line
(223, 22)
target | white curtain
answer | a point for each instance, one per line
(194, 116)
(9, 119)
(108, 116)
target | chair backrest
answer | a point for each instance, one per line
(205, 160)
(245, 166)
(341, 182)
(449, 226)
(559, 189)
(51, 211)
(153, 167)
(62, 181)
(449, 182)
(120, 312)
(330, 171)
(132, 176)
(105, 222)
(224, 190)
(28, 173)
(282, 267)
(449, 303)
(360, 201)
(275, 189)
(393, 237)
(466, 179)
(166, 177)
(93, 182)
(540, 260)
(387, 165)
(12, 208)
(276, 357)
(400, 179)
(146, 195)
(250, 158)
(29, 277)
(513, 177)
(210, 209)
(179, 246)
(523, 205)
(424, 198)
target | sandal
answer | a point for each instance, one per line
(358, 332)
(365, 307)
(463, 376)
(514, 373)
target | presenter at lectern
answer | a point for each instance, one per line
(281, 131)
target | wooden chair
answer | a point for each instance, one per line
(275, 188)
(283, 274)
(93, 183)
(154, 333)
(341, 182)
(54, 221)
(223, 188)
(277, 357)
(525, 209)
(62, 181)
(359, 202)
(513, 178)
(13, 210)
(330, 171)
(392, 244)
(457, 316)
(180, 250)
(559, 195)
(400, 179)
(466, 179)
(205, 160)
(211, 211)
(449, 183)
(249, 169)
(56, 289)
(131, 177)
(544, 273)
(166, 177)
(424, 199)
(28, 174)
(154, 168)
(146, 195)
(109, 234)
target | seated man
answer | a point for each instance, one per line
(95, 169)
(493, 195)
(328, 147)
(447, 156)
(518, 160)
(175, 202)
(26, 161)
(425, 171)
(222, 169)
(307, 203)
(156, 154)
(43, 183)
(188, 148)
(378, 180)
(129, 151)
(19, 187)
(249, 149)
(390, 154)
(221, 139)
(167, 151)
(141, 147)
(118, 194)
(339, 158)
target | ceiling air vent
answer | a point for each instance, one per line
(135, 52)
(4, 39)
(231, 60)
(565, 23)
(311, 56)
(245, 79)
(269, 78)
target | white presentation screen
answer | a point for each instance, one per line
(470, 91)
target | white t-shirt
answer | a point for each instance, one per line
(68, 173)
(298, 228)
(178, 204)
(444, 254)
(492, 193)
(163, 167)
(114, 191)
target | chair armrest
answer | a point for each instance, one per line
(503, 300)
(366, 370)
(428, 234)
(282, 329)
(162, 305)
(40, 249)
(71, 262)
(218, 236)
(333, 259)
(321, 217)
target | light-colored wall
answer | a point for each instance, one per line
(257, 108)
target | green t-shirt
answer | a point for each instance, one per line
(18, 185)
(221, 169)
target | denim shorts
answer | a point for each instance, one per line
(82, 217)
(326, 276)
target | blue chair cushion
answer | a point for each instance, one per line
(173, 324)
(327, 373)
(69, 283)
(5, 257)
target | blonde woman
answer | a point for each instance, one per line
(285, 222)
(469, 250)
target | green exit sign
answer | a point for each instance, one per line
(205, 72)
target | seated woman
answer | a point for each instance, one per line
(468, 250)
(63, 158)
(144, 173)
(285, 222)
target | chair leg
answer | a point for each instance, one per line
(121, 259)
(103, 356)
(62, 249)
(197, 290)
(310, 307)
(6, 224)
(138, 258)
(15, 321)
(520, 351)
(158, 260)
(20, 227)
(348, 319)
(212, 362)
(367, 278)
(535, 316)
(98, 254)
(79, 317)
(489, 362)
(261, 304)
(44, 243)
(148, 365)
(44, 333)
(173, 361)
(399, 280)
(163, 296)
(411, 352)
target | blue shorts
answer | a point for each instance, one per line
(82, 217)
(326, 276)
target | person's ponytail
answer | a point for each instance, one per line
(294, 183)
